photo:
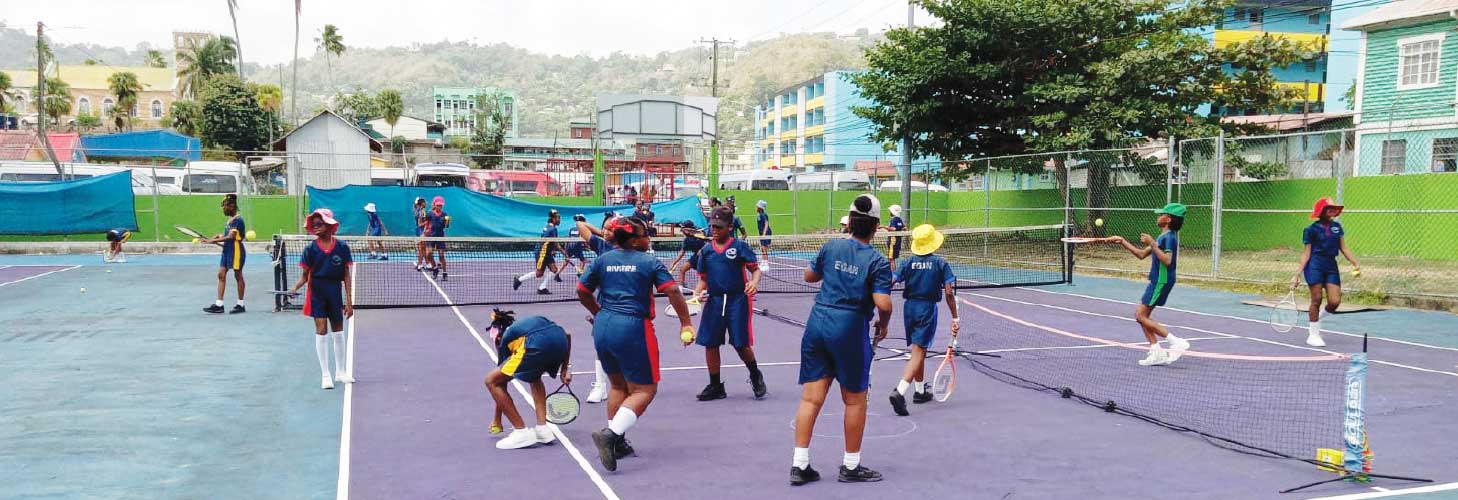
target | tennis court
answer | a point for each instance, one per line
(146, 397)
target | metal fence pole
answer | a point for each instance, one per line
(1216, 203)
(987, 195)
(156, 212)
(795, 204)
(1341, 170)
(1169, 168)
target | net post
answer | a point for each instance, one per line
(280, 271)
(1169, 170)
(1217, 204)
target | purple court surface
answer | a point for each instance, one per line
(17, 274)
(415, 423)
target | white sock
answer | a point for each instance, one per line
(1323, 314)
(902, 386)
(546, 278)
(526, 276)
(851, 460)
(218, 302)
(623, 421)
(601, 375)
(1171, 338)
(920, 387)
(802, 458)
(1154, 346)
(338, 351)
(240, 302)
(321, 347)
(1316, 327)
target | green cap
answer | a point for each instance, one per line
(1174, 209)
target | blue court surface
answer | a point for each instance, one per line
(128, 390)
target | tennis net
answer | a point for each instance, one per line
(1278, 405)
(484, 270)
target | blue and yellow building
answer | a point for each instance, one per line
(1303, 21)
(811, 126)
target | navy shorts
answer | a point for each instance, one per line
(114, 235)
(439, 245)
(626, 344)
(574, 251)
(325, 300)
(546, 256)
(542, 352)
(920, 320)
(232, 259)
(727, 314)
(1316, 275)
(837, 343)
(375, 231)
(1155, 295)
(419, 231)
(894, 248)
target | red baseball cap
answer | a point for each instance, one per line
(1321, 206)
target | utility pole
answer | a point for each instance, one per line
(714, 44)
(906, 153)
(40, 96)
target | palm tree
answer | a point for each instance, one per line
(125, 87)
(6, 97)
(390, 107)
(154, 59)
(232, 12)
(198, 63)
(331, 42)
(57, 102)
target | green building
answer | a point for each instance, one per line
(1407, 81)
(455, 107)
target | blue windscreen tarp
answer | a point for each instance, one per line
(90, 205)
(472, 213)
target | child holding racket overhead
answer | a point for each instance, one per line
(928, 279)
(622, 329)
(436, 222)
(1323, 239)
(1166, 252)
(233, 255)
(729, 271)
(327, 263)
(527, 348)
(855, 279)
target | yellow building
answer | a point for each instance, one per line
(91, 93)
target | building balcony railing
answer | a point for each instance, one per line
(818, 102)
(789, 134)
(814, 158)
(814, 131)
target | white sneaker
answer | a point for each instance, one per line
(764, 266)
(599, 393)
(1156, 357)
(343, 378)
(1314, 340)
(1177, 348)
(326, 382)
(121, 257)
(544, 435)
(519, 438)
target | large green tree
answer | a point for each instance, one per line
(232, 119)
(357, 106)
(126, 87)
(1000, 77)
(185, 117)
(197, 63)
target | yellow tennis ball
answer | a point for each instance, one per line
(1357, 273)
(83, 289)
(687, 335)
(197, 240)
(1099, 222)
(250, 234)
(108, 271)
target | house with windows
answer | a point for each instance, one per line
(455, 107)
(812, 127)
(91, 94)
(1406, 119)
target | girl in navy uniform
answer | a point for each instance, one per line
(233, 255)
(577, 250)
(528, 349)
(894, 243)
(1323, 239)
(762, 221)
(729, 272)
(114, 249)
(436, 222)
(855, 279)
(546, 267)
(376, 228)
(622, 328)
(421, 256)
(928, 279)
(1166, 252)
(327, 264)
(596, 240)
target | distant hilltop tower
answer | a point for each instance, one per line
(181, 40)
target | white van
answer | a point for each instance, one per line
(214, 177)
(915, 186)
(46, 172)
(832, 181)
(440, 174)
(387, 177)
(760, 179)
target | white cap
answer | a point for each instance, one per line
(844, 220)
(370, 207)
(866, 205)
(895, 210)
(761, 204)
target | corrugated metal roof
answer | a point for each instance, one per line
(1401, 12)
(158, 143)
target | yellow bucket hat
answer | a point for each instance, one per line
(925, 239)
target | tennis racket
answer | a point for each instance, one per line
(945, 380)
(562, 406)
(191, 233)
(694, 307)
(1283, 316)
(286, 293)
(1081, 240)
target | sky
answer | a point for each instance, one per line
(562, 27)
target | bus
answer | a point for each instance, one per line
(439, 175)
(756, 180)
(833, 181)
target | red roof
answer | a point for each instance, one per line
(19, 144)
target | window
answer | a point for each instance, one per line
(209, 183)
(156, 109)
(1394, 156)
(1314, 19)
(106, 106)
(83, 106)
(1311, 66)
(1418, 61)
(1445, 155)
(978, 181)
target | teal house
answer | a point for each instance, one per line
(1407, 88)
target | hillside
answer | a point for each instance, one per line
(552, 89)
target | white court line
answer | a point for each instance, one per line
(1239, 318)
(1394, 493)
(1254, 339)
(346, 421)
(602, 486)
(28, 278)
